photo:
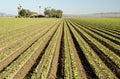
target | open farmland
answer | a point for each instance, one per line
(69, 48)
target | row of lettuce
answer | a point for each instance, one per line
(99, 44)
(33, 39)
(101, 52)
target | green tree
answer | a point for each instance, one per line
(28, 13)
(23, 12)
(59, 13)
(19, 9)
(47, 12)
(53, 13)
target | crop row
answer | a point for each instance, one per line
(69, 48)
(107, 60)
(13, 68)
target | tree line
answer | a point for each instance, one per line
(51, 13)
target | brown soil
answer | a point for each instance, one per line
(30, 72)
(116, 42)
(24, 31)
(60, 66)
(88, 69)
(16, 43)
(105, 32)
(108, 62)
(14, 56)
(81, 71)
(117, 51)
(24, 70)
(53, 67)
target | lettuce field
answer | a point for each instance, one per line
(67, 48)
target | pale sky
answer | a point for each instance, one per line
(68, 6)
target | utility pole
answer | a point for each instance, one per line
(19, 9)
(39, 9)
